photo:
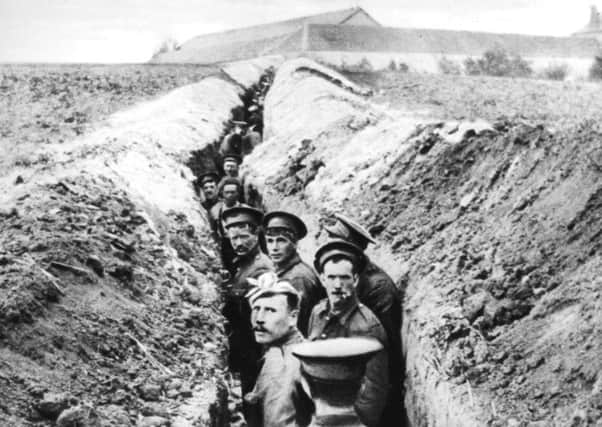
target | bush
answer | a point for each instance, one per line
(402, 67)
(595, 71)
(392, 65)
(364, 66)
(555, 72)
(497, 62)
(447, 66)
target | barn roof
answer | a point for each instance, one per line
(254, 40)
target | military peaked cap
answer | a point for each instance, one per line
(208, 177)
(340, 248)
(242, 215)
(232, 157)
(347, 229)
(282, 219)
(338, 359)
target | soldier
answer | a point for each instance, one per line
(242, 226)
(378, 292)
(229, 189)
(208, 186)
(232, 142)
(339, 264)
(231, 164)
(251, 139)
(278, 394)
(282, 232)
(249, 194)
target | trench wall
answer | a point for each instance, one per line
(123, 270)
(472, 223)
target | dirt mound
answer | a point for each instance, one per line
(109, 305)
(492, 230)
(100, 304)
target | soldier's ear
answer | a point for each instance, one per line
(294, 316)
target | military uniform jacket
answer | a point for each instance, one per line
(306, 282)
(251, 265)
(249, 194)
(278, 396)
(356, 321)
(208, 204)
(244, 353)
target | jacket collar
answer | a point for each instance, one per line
(249, 256)
(293, 337)
(290, 263)
(344, 315)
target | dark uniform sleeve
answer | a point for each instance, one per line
(385, 299)
(372, 397)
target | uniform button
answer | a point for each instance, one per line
(323, 336)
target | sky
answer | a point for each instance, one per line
(118, 31)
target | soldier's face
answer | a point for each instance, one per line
(280, 249)
(231, 168)
(340, 281)
(209, 190)
(230, 194)
(272, 318)
(242, 239)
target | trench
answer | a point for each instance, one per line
(210, 159)
(299, 173)
(452, 204)
(492, 231)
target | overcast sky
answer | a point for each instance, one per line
(130, 30)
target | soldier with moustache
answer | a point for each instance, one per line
(242, 227)
(278, 398)
(283, 230)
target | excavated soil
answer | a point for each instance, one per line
(109, 278)
(490, 228)
(96, 312)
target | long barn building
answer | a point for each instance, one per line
(350, 36)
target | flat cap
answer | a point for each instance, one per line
(282, 219)
(347, 229)
(338, 359)
(241, 215)
(340, 248)
(268, 285)
(232, 157)
(210, 176)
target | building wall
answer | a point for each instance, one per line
(410, 40)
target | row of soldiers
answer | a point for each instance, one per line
(273, 299)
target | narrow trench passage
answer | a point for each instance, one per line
(239, 136)
(248, 115)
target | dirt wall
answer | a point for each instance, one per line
(109, 305)
(490, 229)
